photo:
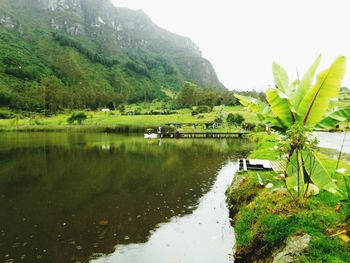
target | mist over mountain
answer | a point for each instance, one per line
(88, 53)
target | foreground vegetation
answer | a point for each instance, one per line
(303, 213)
(265, 217)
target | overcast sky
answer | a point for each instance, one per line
(242, 37)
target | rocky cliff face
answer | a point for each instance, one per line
(131, 29)
(10, 23)
(59, 5)
(103, 33)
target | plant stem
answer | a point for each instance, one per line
(341, 149)
(347, 187)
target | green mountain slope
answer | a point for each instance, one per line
(87, 53)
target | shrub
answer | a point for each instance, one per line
(235, 119)
(121, 109)
(4, 114)
(218, 121)
(78, 117)
(138, 111)
(249, 126)
(203, 109)
(36, 120)
(111, 106)
(260, 127)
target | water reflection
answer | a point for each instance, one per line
(203, 236)
(68, 197)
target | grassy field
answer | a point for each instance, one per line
(265, 218)
(101, 120)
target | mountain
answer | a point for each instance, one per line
(88, 53)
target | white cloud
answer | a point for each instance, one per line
(242, 37)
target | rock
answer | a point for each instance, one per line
(237, 182)
(8, 22)
(269, 185)
(59, 5)
(294, 247)
(312, 190)
(75, 29)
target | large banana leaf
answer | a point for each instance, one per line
(305, 84)
(281, 77)
(280, 107)
(293, 86)
(315, 103)
(253, 104)
(334, 119)
(262, 110)
(317, 172)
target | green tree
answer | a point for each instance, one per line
(297, 107)
(207, 98)
(121, 108)
(227, 98)
(54, 94)
(235, 119)
(187, 97)
(78, 117)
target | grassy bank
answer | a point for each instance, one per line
(100, 121)
(265, 218)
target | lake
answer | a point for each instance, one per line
(80, 197)
(330, 144)
(333, 140)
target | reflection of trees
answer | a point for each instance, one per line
(56, 203)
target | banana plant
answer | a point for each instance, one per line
(312, 105)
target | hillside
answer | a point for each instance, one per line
(58, 54)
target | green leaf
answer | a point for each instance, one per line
(281, 77)
(334, 119)
(305, 83)
(280, 107)
(273, 122)
(253, 104)
(315, 103)
(293, 86)
(318, 174)
(262, 110)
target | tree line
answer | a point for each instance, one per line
(193, 95)
(64, 40)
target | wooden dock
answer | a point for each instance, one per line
(204, 135)
(261, 165)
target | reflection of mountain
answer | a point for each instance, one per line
(52, 198)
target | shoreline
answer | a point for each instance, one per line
(122, 129)
(138, 129)
(269, 223)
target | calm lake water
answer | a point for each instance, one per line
(330, 144)
(334, 140)
(111, 198)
